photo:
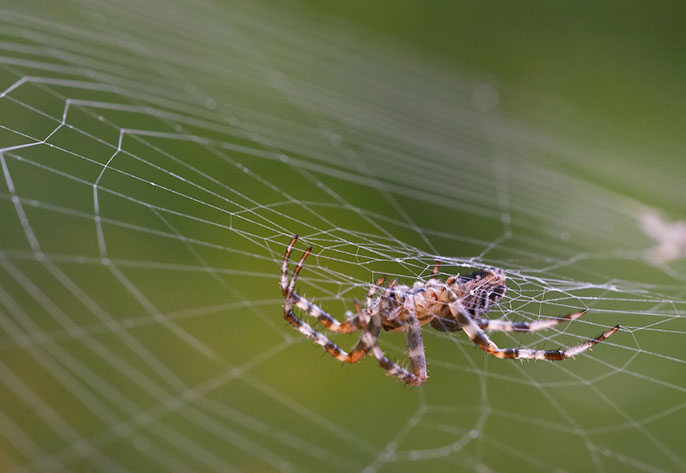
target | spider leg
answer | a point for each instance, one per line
(448, 324)
(415, 346)
(445, 324)
(362, 346)
(284, 266)
(355, 355)
(393, 325)
(313, 310)
(479, 337)
(370, 324)
(435, 272)
(509, 326)
(306, 306)
(368, 339)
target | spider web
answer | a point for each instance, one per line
(156, 160)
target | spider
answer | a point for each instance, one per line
(456, 304)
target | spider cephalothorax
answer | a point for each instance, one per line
(456, 304)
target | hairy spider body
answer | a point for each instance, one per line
(477, 292)
(457, 304)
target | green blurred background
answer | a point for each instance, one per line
(157, 158)
(607, 73)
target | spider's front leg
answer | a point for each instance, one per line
(311, 309)
(364, 343)
(479, 337)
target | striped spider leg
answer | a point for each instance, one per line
(479, 337)
(415, 344)
(449, 324)
(288, 289)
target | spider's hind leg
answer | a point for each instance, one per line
(554, 355)
(479, 337)
(499, 325)
(448, 324)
